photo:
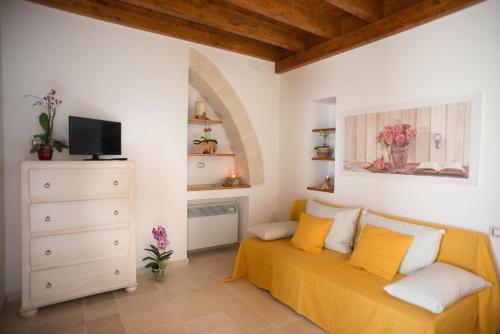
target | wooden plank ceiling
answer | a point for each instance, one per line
(291, 33)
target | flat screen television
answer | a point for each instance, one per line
(94, 137)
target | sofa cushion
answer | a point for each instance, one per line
(437, 286)
(274, 231)
(311, 233)
(341, 234)
(380, 251)
(424, 247)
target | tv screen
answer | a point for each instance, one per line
(94, 137)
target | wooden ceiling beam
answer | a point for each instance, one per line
(367, 10)
(120, 13)
(310, 16)
(231, 19)
(408, 18)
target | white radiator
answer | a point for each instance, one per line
(211, 225)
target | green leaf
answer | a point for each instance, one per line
(35, 148)
(151, 265)
(58, 145)
(43, 119)
(149, 258)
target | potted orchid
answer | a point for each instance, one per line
(158, 257)
(207, 144)
(324, 150)
(395, 138)
(44, 143)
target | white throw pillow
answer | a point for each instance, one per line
(423, 249)
(273, 231)
(343, 229)
(437, 286)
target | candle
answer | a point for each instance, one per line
(233, 174)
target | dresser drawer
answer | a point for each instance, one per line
(57, 216)
(71, 248)
(77, 183)
(78, 280)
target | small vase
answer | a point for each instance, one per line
(324, 152)
(45, 153)
(208, 148)
(199, 110)
(160, 274)
(399, 157)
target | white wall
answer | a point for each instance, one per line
(454, 55)
(112, 72)
(2, 188)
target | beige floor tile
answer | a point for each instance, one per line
(59, 317)
(213, 287)
(145, 311)
(246, 319)
(145, 284)
(241, 287)
(270, 330)
(59, 326)
(269, 308)
(101, 309)
(101, 297)
(10, 317)
(77, 330)
(19, 329)
(58, 311)
(176, 278)
(208, 324)
(190, 303)
(227, 330)
(110, 324)
(301, 326)
(174, 327)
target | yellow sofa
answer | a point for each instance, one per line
(343, 299)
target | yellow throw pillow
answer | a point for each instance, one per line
(380, 251)
(311, 233)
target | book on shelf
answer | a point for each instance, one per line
(441, 168)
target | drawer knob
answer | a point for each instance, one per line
(115, 182)
(46, 185)
(47, 219)
(116, 242)
(117, 272)
(48, 252)
(116, 213)
(48, 285)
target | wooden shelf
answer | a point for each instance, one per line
(192, 154)
(323, 159)
(316, 189)
(203, 187)
(325, 130)
(203, 122)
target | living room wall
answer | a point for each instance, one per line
(2, 188)
(112, 72)
(454, 55)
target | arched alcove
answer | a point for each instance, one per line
(218, 92)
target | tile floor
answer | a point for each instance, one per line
(191, 300)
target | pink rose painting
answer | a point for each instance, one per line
(424, 140)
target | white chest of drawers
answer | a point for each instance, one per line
(78, 230)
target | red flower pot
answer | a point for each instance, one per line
(45, 153)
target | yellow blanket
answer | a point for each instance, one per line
(343, 299)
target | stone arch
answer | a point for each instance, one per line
(205, 77)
